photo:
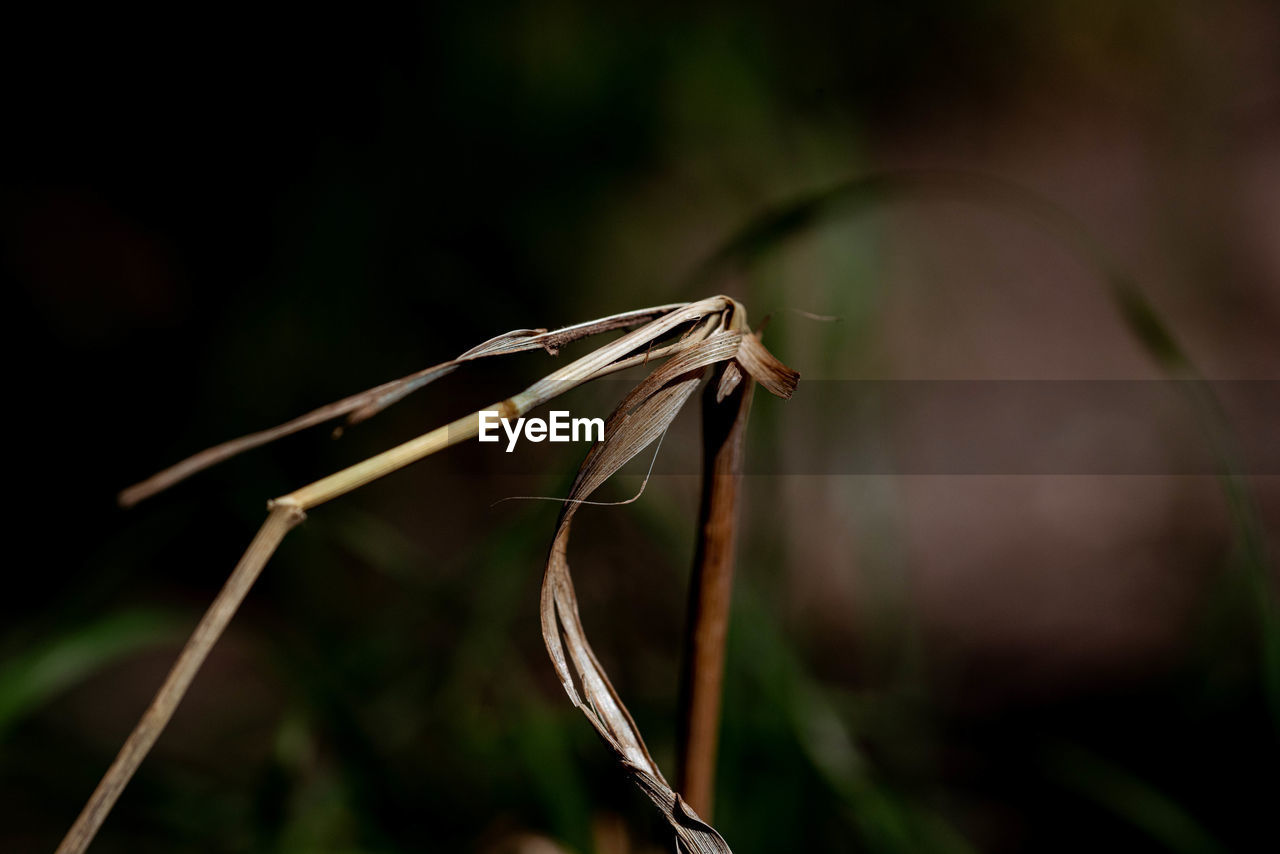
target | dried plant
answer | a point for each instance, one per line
(688, 340)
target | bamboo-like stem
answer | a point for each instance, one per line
(353, 477)
(157, 715)
(724, 424)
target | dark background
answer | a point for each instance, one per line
(212, 223)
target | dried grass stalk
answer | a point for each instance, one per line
(156, 717)
(713, 331)
(725, 407)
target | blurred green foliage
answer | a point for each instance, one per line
(40, 671)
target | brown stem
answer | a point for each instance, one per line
(157, 715)
(724, 425)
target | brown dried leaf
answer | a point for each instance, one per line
(765, 368)
(641, 417)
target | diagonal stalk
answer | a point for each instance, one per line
(724, 425)
(157, 715)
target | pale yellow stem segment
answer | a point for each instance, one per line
(356, 476)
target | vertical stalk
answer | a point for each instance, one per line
(724, 425)
(157, 715)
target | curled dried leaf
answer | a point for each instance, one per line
(765, 368)
(562, 625)
(639, 419)
(642, 416)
